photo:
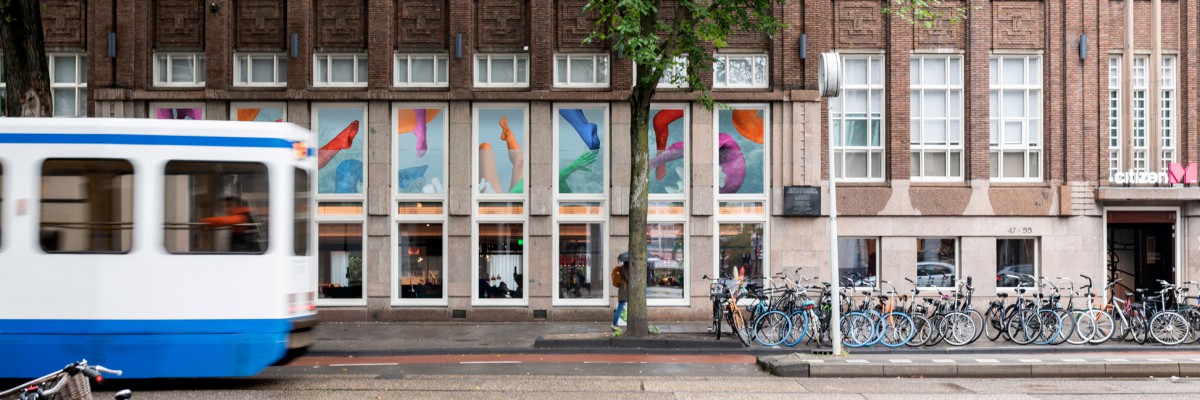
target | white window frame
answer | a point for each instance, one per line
(79, 86)
(1115, 116)
(398, 218)
(684, 218)
(198, 75)
(1031, 88)
(1037, 263)
(601, 218)
(952, 122)
(327, 58)
(679, 68)
(764, 198)
(872, 117)
(1168, 104)
(1140, 140)
(596, 69)
(235, 106)
(154, 106)
(957, 261)
(518, 76)
(337, 198)
(878, 259)
(477, 218)
(722, 60)
(249, 58)
(441, 62)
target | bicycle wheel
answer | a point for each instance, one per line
(1169, 328)
(772, 328)
(935, 330)
(1084, 327)
(857, 329)
(896, 329)
(994, 318)
(958, 328)
(922, 330)
(1105, 325)
(1193, 318)
(874, 316)
(1019, 329)
(977, 319)
(799, 321)
(1137, 327)
(738, 324)
(1047, 325)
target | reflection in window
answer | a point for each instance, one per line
(668, 157)
(421, 261)
(340, 261)
(858, 261)
(302, 213)
(215, 207)
(87, 206)
(501, 261)
(665, 261)
(1014, 259)
(937, 262)
(741, 250)
(580, 258)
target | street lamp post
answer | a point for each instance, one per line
(829, 83)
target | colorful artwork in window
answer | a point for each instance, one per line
(501, 137)
(177, 111)
(668, 161)
(258, 114)
(580, 156)
(420, 150)
(340, 157)
(740, 151)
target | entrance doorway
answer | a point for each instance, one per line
(1141, 249)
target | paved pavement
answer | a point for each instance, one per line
(1181, 363)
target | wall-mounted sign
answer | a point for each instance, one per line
(1175, 174)
(1178, 173)
(802, 201)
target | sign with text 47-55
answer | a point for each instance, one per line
(1176, 174)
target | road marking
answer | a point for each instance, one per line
(361, 365)
(816, 361)
(489, 362)
(1196, 359)
(986, 360)
(858, 361)
(1159, 359)
(1029, 360)
(1116, 360)
(943, 361)
(1074, 360)
(901, 361)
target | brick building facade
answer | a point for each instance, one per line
(1023, 140)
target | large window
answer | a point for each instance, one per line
(260, 69)
(1114, 116)
(740, 71)
(1166, 112)
(740, 253)
(172, 110)
(86, 206)
(261, 112)
(858, 261)
(1016, 117)
(501, 260)
(302, 213)
(856, 120)
(581, 134)
(215, 207)
(340, 263)
(340, 70)
(666, 269)
(419, 140)
(501, 134)
(667, 216)
(502, 70)
(179, 69)
(936, 106)
(341, 154)
(421, 249)
(741, 176)
(68, 84)
(1016, 262)
(1141, 143)
(581, 70)
(421, 70)
(937, 262)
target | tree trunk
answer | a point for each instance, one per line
(639, 189)
(25, 66)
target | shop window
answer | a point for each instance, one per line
(740, 255)
(258, 112)
(1016, 263)
(265, 70)
(340, 263)
(420, 142)
(179, 69)
(340, 70)
(215, 207)
(301, 212)
(1016, 117)
(501, 261)
(740, 71)
(856, 120)
(341, 159)
(177, 111)
(581, 268)
(68, 84)
(421, 249)
(741, 135)
(86, 206)
(858, 261)
(421, 70)
(502, 70)
(581, 70)
(937, 262)
(936, 121)
(665, 256)
(500, 141)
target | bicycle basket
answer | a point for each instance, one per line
(77, 387)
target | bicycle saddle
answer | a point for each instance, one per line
(1021, 290)
(1142, 290)
(1151, 299)
(1002, 295)
(1128, 294)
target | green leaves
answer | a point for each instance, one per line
(925, 13)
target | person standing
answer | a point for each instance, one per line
(619, 273)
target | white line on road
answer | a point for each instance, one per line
(986, 360)
(489, 362)
(815, 361)
(901, 361)
(361, 365)
(1116, 360)
(1074, 360)
(1159, 359)
(943, 361)
(1029, 360)
(858, 361)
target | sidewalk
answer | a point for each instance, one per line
(1183, 363)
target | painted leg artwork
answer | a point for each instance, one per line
(348, 175)
(672, 153)
(342, 141)
(416, 121)
(588, 131)
(515, 156)
(733, 163)
(662, 122)
(179, 113)
(749, 124)
(487, 168)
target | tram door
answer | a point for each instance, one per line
(1141, 249)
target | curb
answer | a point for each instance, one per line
(792, 366)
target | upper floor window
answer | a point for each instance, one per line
(68, 84)
(1016, 117)
(1114, 116)
(1166, 112)
(340, 70)
(581, 70)
(740, 71)
(179, 69)
(856, 120)
(260, 70)
(936, 105)
(421, 70)
(502, 70)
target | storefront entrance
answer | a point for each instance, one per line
(1141, 248)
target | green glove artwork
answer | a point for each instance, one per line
(580, 163)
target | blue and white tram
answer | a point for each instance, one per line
(163, 248)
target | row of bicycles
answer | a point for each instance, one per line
(1041, 311)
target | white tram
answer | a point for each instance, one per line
(163, 248)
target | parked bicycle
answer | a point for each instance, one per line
(73, 382)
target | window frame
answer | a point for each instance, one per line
(720, 218)
(133, 235)
(559, 219)
(276, 59)
(917, 145)
(685, 218)
(840, 117)
(396, 218)
(1140, 115)
(1115, 116)
(199, 64)
(997, 147)
(328, 58)
(360, 198)
(878, 258)
(309, 214)
(265, 239)
(1037, 263)
(1168, 106)
(79, 86)
(957, 261)
(595, 58)
(238, 105)
(679, 68)
(440, 60)
(752, 58)
(478, 218)
(517, 76)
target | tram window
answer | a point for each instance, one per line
(216, 207)
(1, 207)
(87, 206)
(302, 213)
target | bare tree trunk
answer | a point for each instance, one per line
(639, 189)
(25, 66)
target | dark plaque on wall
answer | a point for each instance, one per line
(802, 201)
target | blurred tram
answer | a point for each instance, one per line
(162, 248)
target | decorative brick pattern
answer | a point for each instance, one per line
(502, 24)
(179, 24)
(341, 23)
(421, 24)
(63, 22)
(944, 34)
(575, 24)
(260, 24)
(1018, 25)
(858, 25)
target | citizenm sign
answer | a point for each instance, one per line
(1176, 174)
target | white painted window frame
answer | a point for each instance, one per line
(1115, 107)
(722, 61)
(327, 58)
(398, 218)
(872, 117)
(955, 137)
(596, 69)
(79, 86)
(1030, 88)
(334, 198)
(198, 63)
(684, 218)
(477, 218)
(601, 218)
(1167, 111)
(518, 76)
(249, 58)
(441, 69)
